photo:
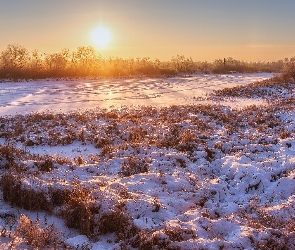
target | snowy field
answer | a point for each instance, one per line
(69, 95)
(166, 167)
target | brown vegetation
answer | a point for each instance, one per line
(38, 237)
(272, 87)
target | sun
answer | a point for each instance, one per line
(101, 37)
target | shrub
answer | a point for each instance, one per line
(46, 165)
(79, 212)
(36, 236)
(15, 194)
(288, 72)
(134, 166)
(28, 198)
(117, 222)
(8, 156)
(278, 233)
(146, 240)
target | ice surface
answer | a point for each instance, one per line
(64, 95)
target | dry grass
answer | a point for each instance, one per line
(134, 166)
(38, 237)
(278, 233)
(270, 88)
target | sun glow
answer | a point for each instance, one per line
(101, 37)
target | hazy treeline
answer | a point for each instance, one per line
(17, 62)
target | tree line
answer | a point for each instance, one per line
(18, 63)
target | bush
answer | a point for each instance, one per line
(288, 73)
(36, 236)
(79, 211)
(134, 166)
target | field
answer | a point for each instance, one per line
(198, 161)
(63, 95)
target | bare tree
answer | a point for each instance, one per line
(14, 58)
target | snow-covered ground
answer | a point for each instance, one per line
(69, 95)
(177, 172)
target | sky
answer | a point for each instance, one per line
(250, 30)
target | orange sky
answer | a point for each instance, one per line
(205, 30)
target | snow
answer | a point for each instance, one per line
(77, 241)
(67, 95)
(188, 176)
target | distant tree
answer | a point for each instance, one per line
(36, 61)
(183, 64)
(14, 58)
(85, 60)
(36, 65)
(17, 62)
(55, 62)
(289, 70)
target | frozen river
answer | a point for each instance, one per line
(65, 95)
